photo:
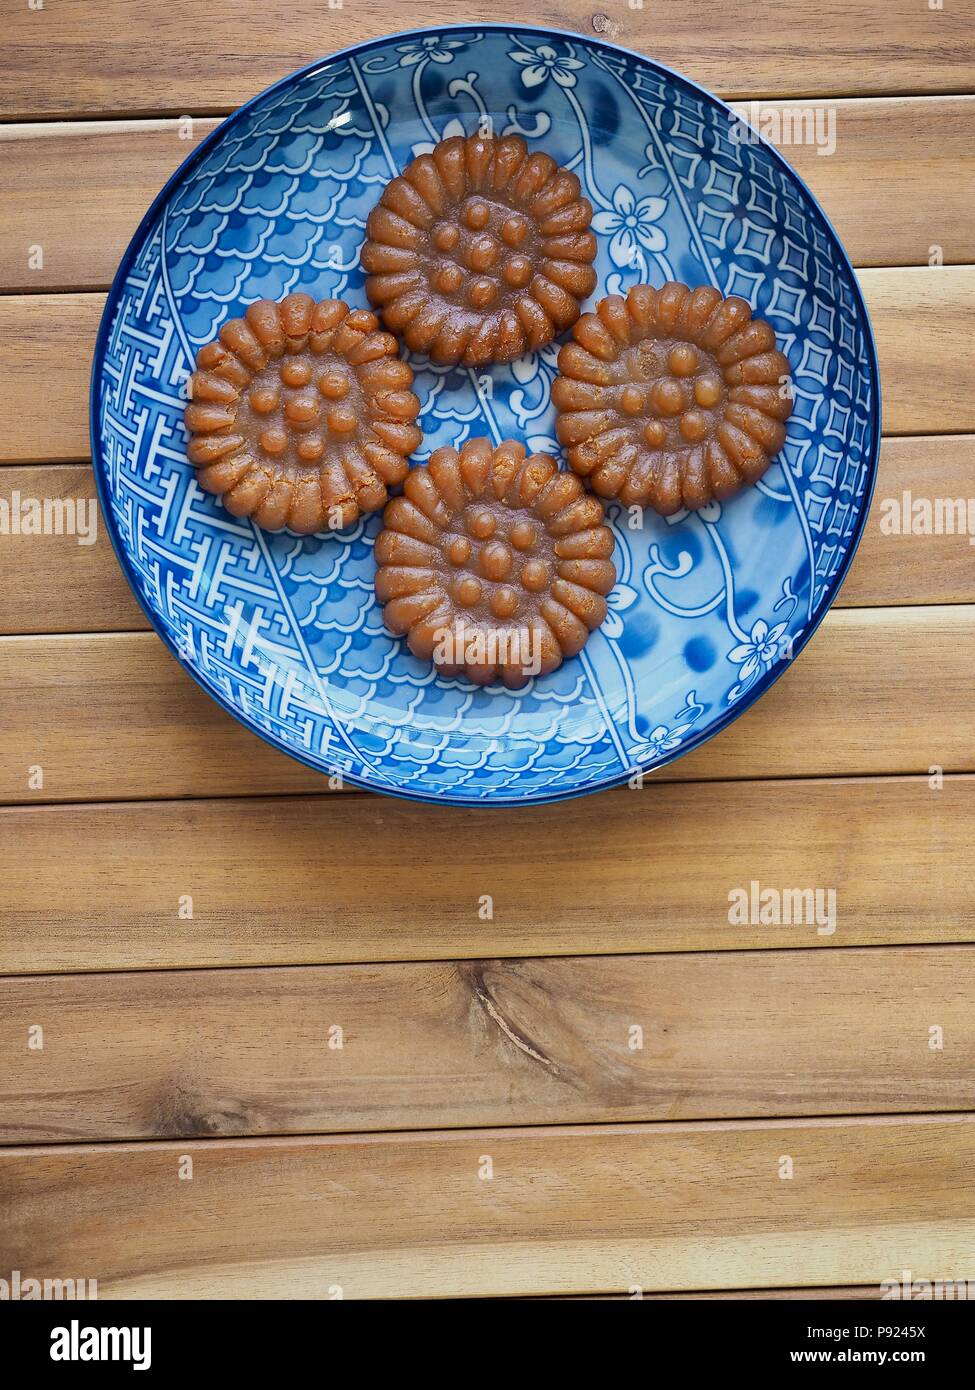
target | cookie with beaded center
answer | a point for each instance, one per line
(494, 564)
(671, 398)
(480, 251)
(301, 414)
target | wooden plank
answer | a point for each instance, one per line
(54, 584)
(113, 717)
(164, 734)
(920, 317)
(925, 371)
(67, 582)
(563, 1210)
(73, 59)
(893, 564)
(362, 878)
(199, 1053)
(886, 150)
(898, 183)
(113, 169)
(46, 346)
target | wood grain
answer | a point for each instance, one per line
(47, 339)
(604, 913)
(361, 878)
(72, 58)
(61, 583)
(113, 717)
(899, 182)
(194, 1054)
(920, 317)
(566, 1210)
(886, 152)
(53, 584)
(926, 375)
(114, 168)
(900, 567)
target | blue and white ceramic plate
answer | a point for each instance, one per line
(284, 631)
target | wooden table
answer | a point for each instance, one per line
(605, 1088)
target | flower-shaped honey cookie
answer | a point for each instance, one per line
(481, 251)
(301, 414)
(494, 565)
(671, 397)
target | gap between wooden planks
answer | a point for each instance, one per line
(900, 181)
(198, 1054)
(920, 317)
(299, 880)
(55, 583)
(75, 59)
(113, 716)
(564, 1210)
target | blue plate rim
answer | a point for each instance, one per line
(101, 473)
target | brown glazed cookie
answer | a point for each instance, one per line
(301, 414)
(492, 564)
(669, 398)
(481, 251)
